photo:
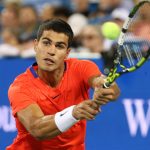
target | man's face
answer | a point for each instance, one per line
(51, 50)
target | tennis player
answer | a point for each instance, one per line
(50, 100)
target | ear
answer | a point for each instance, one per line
(35, 45)
(68, 52)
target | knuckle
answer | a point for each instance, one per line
(111, 97)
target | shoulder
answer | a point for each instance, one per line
(22, 81)
(79, 63)
(83, 69)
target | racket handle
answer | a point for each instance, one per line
(106, 85)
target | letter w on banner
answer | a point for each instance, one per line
(137, 116)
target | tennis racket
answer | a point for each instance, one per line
(133, 46)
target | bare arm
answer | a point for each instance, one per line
(36, 123)
(44, 127)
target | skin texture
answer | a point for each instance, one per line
(104, 95)
(51, 50)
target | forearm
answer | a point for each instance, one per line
(50, 126)
(44, 128)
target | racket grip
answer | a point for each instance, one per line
(106, 85)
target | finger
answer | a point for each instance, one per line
(92, 104)
(86, 115)
(101, 101)
(107, 91)
(116, 89)
(92, 109)
(102, 96)
(95, 105)
(106, 97)
(86, 111)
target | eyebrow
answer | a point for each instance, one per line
(59, 42)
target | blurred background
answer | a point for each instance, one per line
(122, 125)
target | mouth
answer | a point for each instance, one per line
(49, 61)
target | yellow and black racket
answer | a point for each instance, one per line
(133, 46)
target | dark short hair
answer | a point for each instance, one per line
(57, 25)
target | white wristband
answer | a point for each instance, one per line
(64, 119)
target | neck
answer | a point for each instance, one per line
(51, 78)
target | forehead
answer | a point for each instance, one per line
(55, 36)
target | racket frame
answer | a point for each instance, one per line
(113, 75)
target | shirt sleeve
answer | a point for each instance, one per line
(88, 69)
(19, 98)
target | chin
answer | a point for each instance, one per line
(47, 68)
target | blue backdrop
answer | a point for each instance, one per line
(122, 125)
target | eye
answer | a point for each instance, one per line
(46, 43)
(60, 46)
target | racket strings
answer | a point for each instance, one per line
(137, 52)
(128, 54)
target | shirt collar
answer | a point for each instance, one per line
(32, 70)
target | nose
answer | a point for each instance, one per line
(52, 50)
